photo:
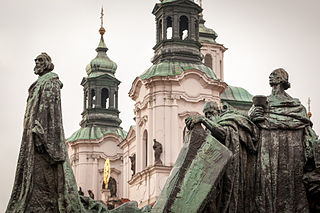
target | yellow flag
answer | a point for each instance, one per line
(107, 171)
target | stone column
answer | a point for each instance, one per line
(175, 26)
(85, 97)
(164, 28)
(111, 99)
(98, 97)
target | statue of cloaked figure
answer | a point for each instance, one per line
(288, 153)
(234, 193)
(44, 180)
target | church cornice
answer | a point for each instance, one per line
(209, 46)
(206, 82)
(129, 139)
(150, 170)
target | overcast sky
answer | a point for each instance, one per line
(261, 35)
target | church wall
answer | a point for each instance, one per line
(162, 104)
(88, 158)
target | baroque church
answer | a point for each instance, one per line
(187, 71)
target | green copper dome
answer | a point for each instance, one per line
(174, 68)
(95, 133)
(236, 94)
(101, 64)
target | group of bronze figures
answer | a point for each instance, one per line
(274, 164)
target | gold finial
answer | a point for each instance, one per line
(309, 112)
(101, 30)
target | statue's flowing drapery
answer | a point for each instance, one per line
(285, 146)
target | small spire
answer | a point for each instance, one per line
(101, 30)
(309, 112)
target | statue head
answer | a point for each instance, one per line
(43, 64)
(210, 109)
(279, 76)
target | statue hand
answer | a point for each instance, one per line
(192, 120)
(256, 113)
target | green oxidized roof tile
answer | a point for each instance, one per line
(167, 68)
(95, 132)
(236, 94)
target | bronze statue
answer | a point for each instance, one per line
(287, 149)
(235, 190)
(157, 147)
(133, 164)
(44, 180)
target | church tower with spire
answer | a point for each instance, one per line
(176, 86)
(100, 131)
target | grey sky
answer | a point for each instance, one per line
(261, 35)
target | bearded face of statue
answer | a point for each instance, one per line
(275, 78)
(41, 65)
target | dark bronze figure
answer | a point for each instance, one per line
(234, 193)
(157, 147)
(287, 152)
(44, 180)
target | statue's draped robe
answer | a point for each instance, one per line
(235, 192)
(44, 182)
(284, 147)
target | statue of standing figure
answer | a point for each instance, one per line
(44, 180)
(157, 147)
(288, 161)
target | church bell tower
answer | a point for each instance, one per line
(100, 133)
(177, 24)
(100, 106)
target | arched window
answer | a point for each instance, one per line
(145, 149)
(183, 27)
(104, 98)
(169, 27)
(93, 98)
(208, 60)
